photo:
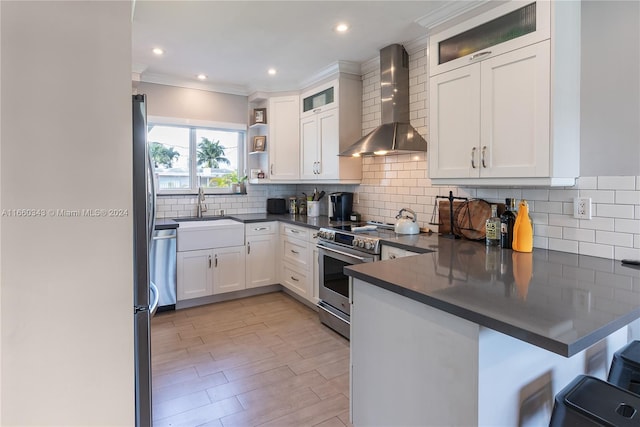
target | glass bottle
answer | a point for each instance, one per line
(492, 228)
(507, 219)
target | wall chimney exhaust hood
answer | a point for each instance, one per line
(395, 135)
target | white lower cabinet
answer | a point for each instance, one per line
(195, 276)
(391, 252)
(210, 271)
(228, 269)
(273, 253)
(295, 259)
(295, 279)
(314, 267)
(261, 254)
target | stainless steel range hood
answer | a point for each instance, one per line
(395, 135)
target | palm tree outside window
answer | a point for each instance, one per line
(188, 157)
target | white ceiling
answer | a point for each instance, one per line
(235, 42)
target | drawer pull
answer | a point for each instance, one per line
(295, 231)
(260, 228)
(294, 279)
(479, 55)
(295, 252)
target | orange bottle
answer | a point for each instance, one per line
(523, 230)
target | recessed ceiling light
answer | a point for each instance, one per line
(272, 71)
(202, 77)
(342, 27)
(158, 51)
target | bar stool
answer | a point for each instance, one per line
(589, 401)
(625, 367)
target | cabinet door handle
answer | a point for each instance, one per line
(479, 55)
(248, 248)
(317, 110)
(473, 158)
(318, 168)
(216, 263)
(484, 152)
(271, 169)
(294, 279)
(209, 261)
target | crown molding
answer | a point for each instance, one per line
(190, 84)
(347, 67)
(447, 11)
(415, 45)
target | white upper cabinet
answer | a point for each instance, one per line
(330, 121)
(283, 143)
(505, 28)
(507, 114)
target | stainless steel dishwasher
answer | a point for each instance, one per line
(162, 264)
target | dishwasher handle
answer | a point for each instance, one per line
(169, 236)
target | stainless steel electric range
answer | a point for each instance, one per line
(338, 247)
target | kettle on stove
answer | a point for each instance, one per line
(406, 224)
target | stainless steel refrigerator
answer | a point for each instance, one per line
(145, 294)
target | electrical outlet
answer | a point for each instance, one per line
(356, 198)
(582, 207)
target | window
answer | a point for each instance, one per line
(187, 157)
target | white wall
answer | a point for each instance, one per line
(66, 282)
(610, 86)
(194, 104)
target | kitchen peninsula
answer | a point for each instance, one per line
(470, 335)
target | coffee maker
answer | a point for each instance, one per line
(340, 206)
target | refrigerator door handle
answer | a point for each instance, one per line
(152, 182)
(156, 298)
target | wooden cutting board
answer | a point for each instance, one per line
(469, 217)
(444, 224)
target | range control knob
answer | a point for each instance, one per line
(369, 245)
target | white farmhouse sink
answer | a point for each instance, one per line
(209, 234)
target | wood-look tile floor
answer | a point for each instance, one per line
(257, 361)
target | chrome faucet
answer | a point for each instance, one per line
(201, 207)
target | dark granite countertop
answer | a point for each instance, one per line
(557, 301)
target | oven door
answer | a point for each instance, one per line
(334, 284)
